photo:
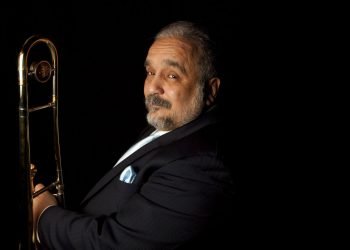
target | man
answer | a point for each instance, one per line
(171, 189)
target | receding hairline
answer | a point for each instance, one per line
(198, 38)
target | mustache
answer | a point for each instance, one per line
(155, 100)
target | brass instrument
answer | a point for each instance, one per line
(42, 72)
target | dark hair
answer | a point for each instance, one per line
(199, 39)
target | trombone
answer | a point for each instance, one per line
(42, 71)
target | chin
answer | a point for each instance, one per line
(152, 118)
(160, 122)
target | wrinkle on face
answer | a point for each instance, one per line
(170, 56)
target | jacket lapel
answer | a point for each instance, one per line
(177, 134)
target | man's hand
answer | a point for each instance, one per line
(41, 202)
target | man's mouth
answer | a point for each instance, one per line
(154, 108)
(154, 103)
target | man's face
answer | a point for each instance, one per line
(173, 95)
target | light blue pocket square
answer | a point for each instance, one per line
(128, 175)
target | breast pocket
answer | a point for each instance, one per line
(128, 175)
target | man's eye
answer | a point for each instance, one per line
(172, 76)
(150, 73)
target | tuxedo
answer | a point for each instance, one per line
(181, 194)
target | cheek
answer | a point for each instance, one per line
(182, 96)
(175, 96)
(172, 93)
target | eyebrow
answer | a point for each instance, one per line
(176, 65)
(171, 63)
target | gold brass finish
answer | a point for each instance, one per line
(43, 71)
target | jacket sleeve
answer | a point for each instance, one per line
(177, 203)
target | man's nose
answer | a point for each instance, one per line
(154, 85)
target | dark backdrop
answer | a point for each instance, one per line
(101, 54)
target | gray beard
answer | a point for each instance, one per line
(167, 123)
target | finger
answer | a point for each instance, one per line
(38, 187)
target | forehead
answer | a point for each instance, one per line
(171, 49)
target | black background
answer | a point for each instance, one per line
(101, 74)
(101, 111)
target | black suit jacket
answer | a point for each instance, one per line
(182, 195)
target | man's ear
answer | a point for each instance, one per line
(211, 90)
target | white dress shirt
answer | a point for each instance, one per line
(155, 134)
